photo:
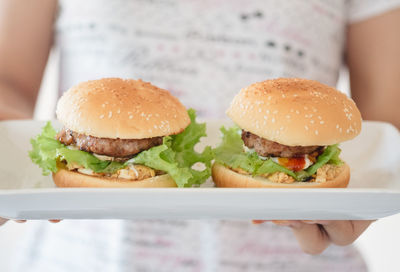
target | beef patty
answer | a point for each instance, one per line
(120, 148)
(267, 148)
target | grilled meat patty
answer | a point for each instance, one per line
(120, 148)
(267, 148)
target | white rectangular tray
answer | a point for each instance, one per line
(374, 190)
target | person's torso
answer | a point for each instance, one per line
(204, 52)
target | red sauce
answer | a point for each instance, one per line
(294, 164)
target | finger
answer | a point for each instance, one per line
(343, 233)
(287, 223)
(257, 222)
(321, 222)
(54, 220)
(311, 237)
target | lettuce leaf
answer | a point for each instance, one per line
(176, 155)
(46, 151)
(330, 155)
(231, 153)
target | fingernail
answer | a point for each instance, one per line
(281, 222)
(309, 221)
(257, 222)
(54, 220)
(20, 221)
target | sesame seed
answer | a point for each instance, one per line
(110, 114)
(275, 112)
(103, 105)
(101, 116)
(288, 116)
(130, 116)
(273, 120)
(306, 127)
(316, 132)
(321, 122)
(118, 111)
(297, 112)
(312, 121)
(337, 126)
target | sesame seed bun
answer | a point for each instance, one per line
(225, 177)
(66, 178)
(117, 108)
(296, 112)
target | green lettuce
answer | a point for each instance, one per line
(330, 155)
(46, 151)
(231, 153)
(176, 155)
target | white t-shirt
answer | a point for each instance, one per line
(204, 52)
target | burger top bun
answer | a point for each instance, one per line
(121, 108)
(296, 112)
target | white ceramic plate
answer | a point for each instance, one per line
(374, 189)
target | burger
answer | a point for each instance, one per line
(287, 136)
(122, 133)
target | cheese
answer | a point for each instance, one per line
(131, 172)
(103, 157)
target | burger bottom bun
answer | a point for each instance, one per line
(66, 178)
(225, 177)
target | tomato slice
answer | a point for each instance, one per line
(294, 164)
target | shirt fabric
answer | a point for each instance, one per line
(204, 52)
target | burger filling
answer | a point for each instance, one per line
(106, 149)
(247, 153)
(130, 159)
(267, 148)
(122, 149)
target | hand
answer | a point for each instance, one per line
(4, 220)
(314, 236)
